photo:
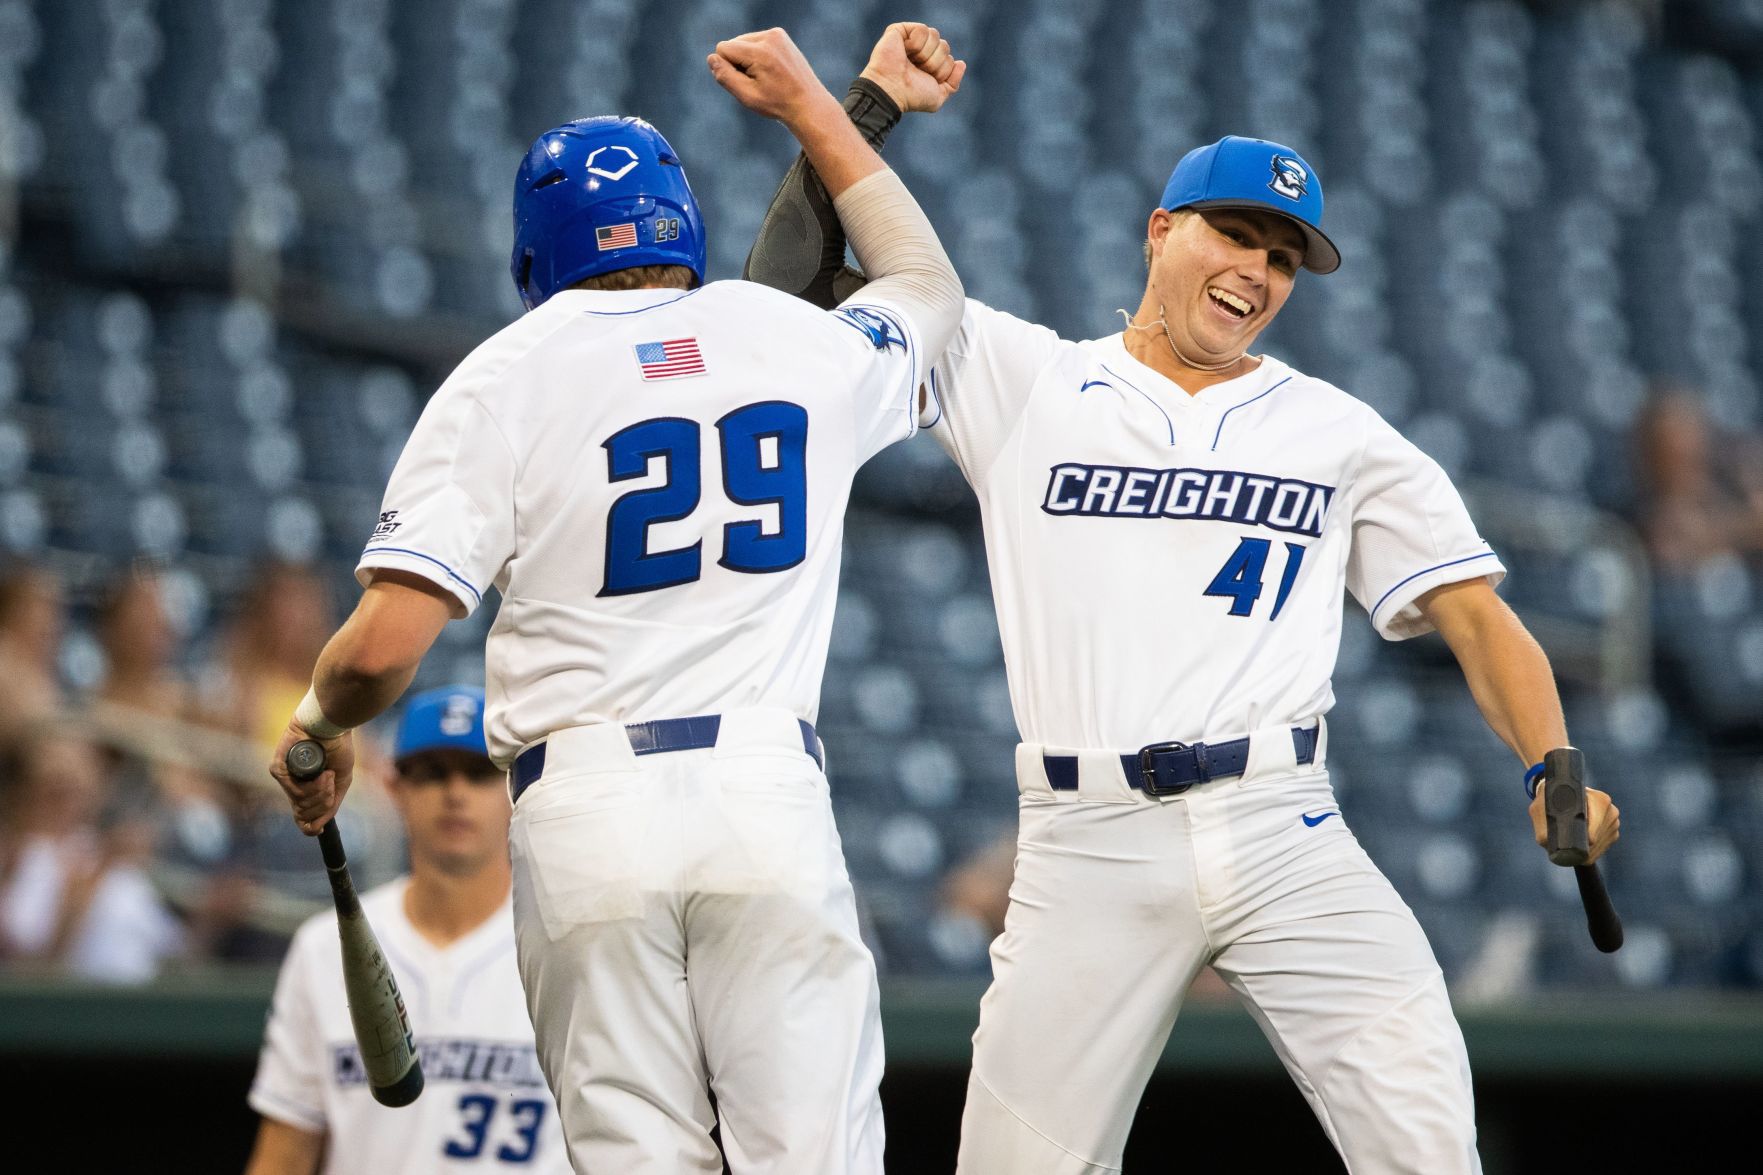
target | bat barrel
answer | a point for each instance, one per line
(376, 1009)
(402, 1091)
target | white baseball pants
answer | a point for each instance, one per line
(686, 929)
(1118, 901)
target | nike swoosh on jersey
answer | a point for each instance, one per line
(1313, 821)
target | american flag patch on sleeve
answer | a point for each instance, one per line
(671, 359)
(615, 236)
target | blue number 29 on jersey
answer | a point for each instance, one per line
(764, 463)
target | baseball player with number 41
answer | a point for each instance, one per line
(1170, 521)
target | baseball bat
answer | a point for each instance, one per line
(1569, 842)
(376, 1007)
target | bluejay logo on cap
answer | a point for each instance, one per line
(1289, 177)
(611, 175)
(459, 716)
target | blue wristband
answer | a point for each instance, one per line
(1531, 779)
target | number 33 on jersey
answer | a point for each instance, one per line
(641, 489)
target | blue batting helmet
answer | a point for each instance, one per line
(600, 194)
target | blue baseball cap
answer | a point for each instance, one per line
(1253, 173)
(450, 718)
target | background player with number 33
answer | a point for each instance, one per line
(1170, 522)
(653, 472)
(450, 936)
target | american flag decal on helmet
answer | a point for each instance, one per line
(615, 236)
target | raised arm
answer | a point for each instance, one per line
(888, 231)
(801, 244)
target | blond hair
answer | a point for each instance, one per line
(640, 277)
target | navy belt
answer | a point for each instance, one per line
(653, 738)
(1168, 769)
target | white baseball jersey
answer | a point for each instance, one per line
(657, 487)
(484, 1104)
(1169, 566)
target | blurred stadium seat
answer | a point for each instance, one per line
(241, 241)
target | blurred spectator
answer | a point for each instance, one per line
(283, 620)
(978, 889)
(140, 650)
(1704, 492)
(142, 682)
(73, 891)
(31, 618)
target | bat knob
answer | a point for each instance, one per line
(305, 760)
(1564, 807)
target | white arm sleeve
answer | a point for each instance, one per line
(289, 1086)
(1411, 533)
(900, 252)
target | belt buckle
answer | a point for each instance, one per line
(1148, 768)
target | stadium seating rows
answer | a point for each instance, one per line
(1537, 211)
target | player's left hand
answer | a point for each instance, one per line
(915, 66)
(1603, 821)
(316, 801)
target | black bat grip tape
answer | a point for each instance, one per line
(1600, 915)
(305, 761)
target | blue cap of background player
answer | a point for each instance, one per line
(1253, 173)
(450, 718)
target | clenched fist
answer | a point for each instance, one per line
(315, 801)
(915, 66)
(768, 75)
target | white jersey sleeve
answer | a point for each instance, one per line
(980, 385)
(887, 356)
(1411, 533)
(289, 1086)
(448, 513)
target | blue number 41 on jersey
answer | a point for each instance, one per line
(1239, 580)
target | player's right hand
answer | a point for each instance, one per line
(768, 75)
(1603, 822)
(915, 65)
(316, 801)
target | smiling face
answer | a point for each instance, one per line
(1220, 275)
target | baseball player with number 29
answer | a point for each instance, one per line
(1170, 521)
(653, 472)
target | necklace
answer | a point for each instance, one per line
(1164, 323)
